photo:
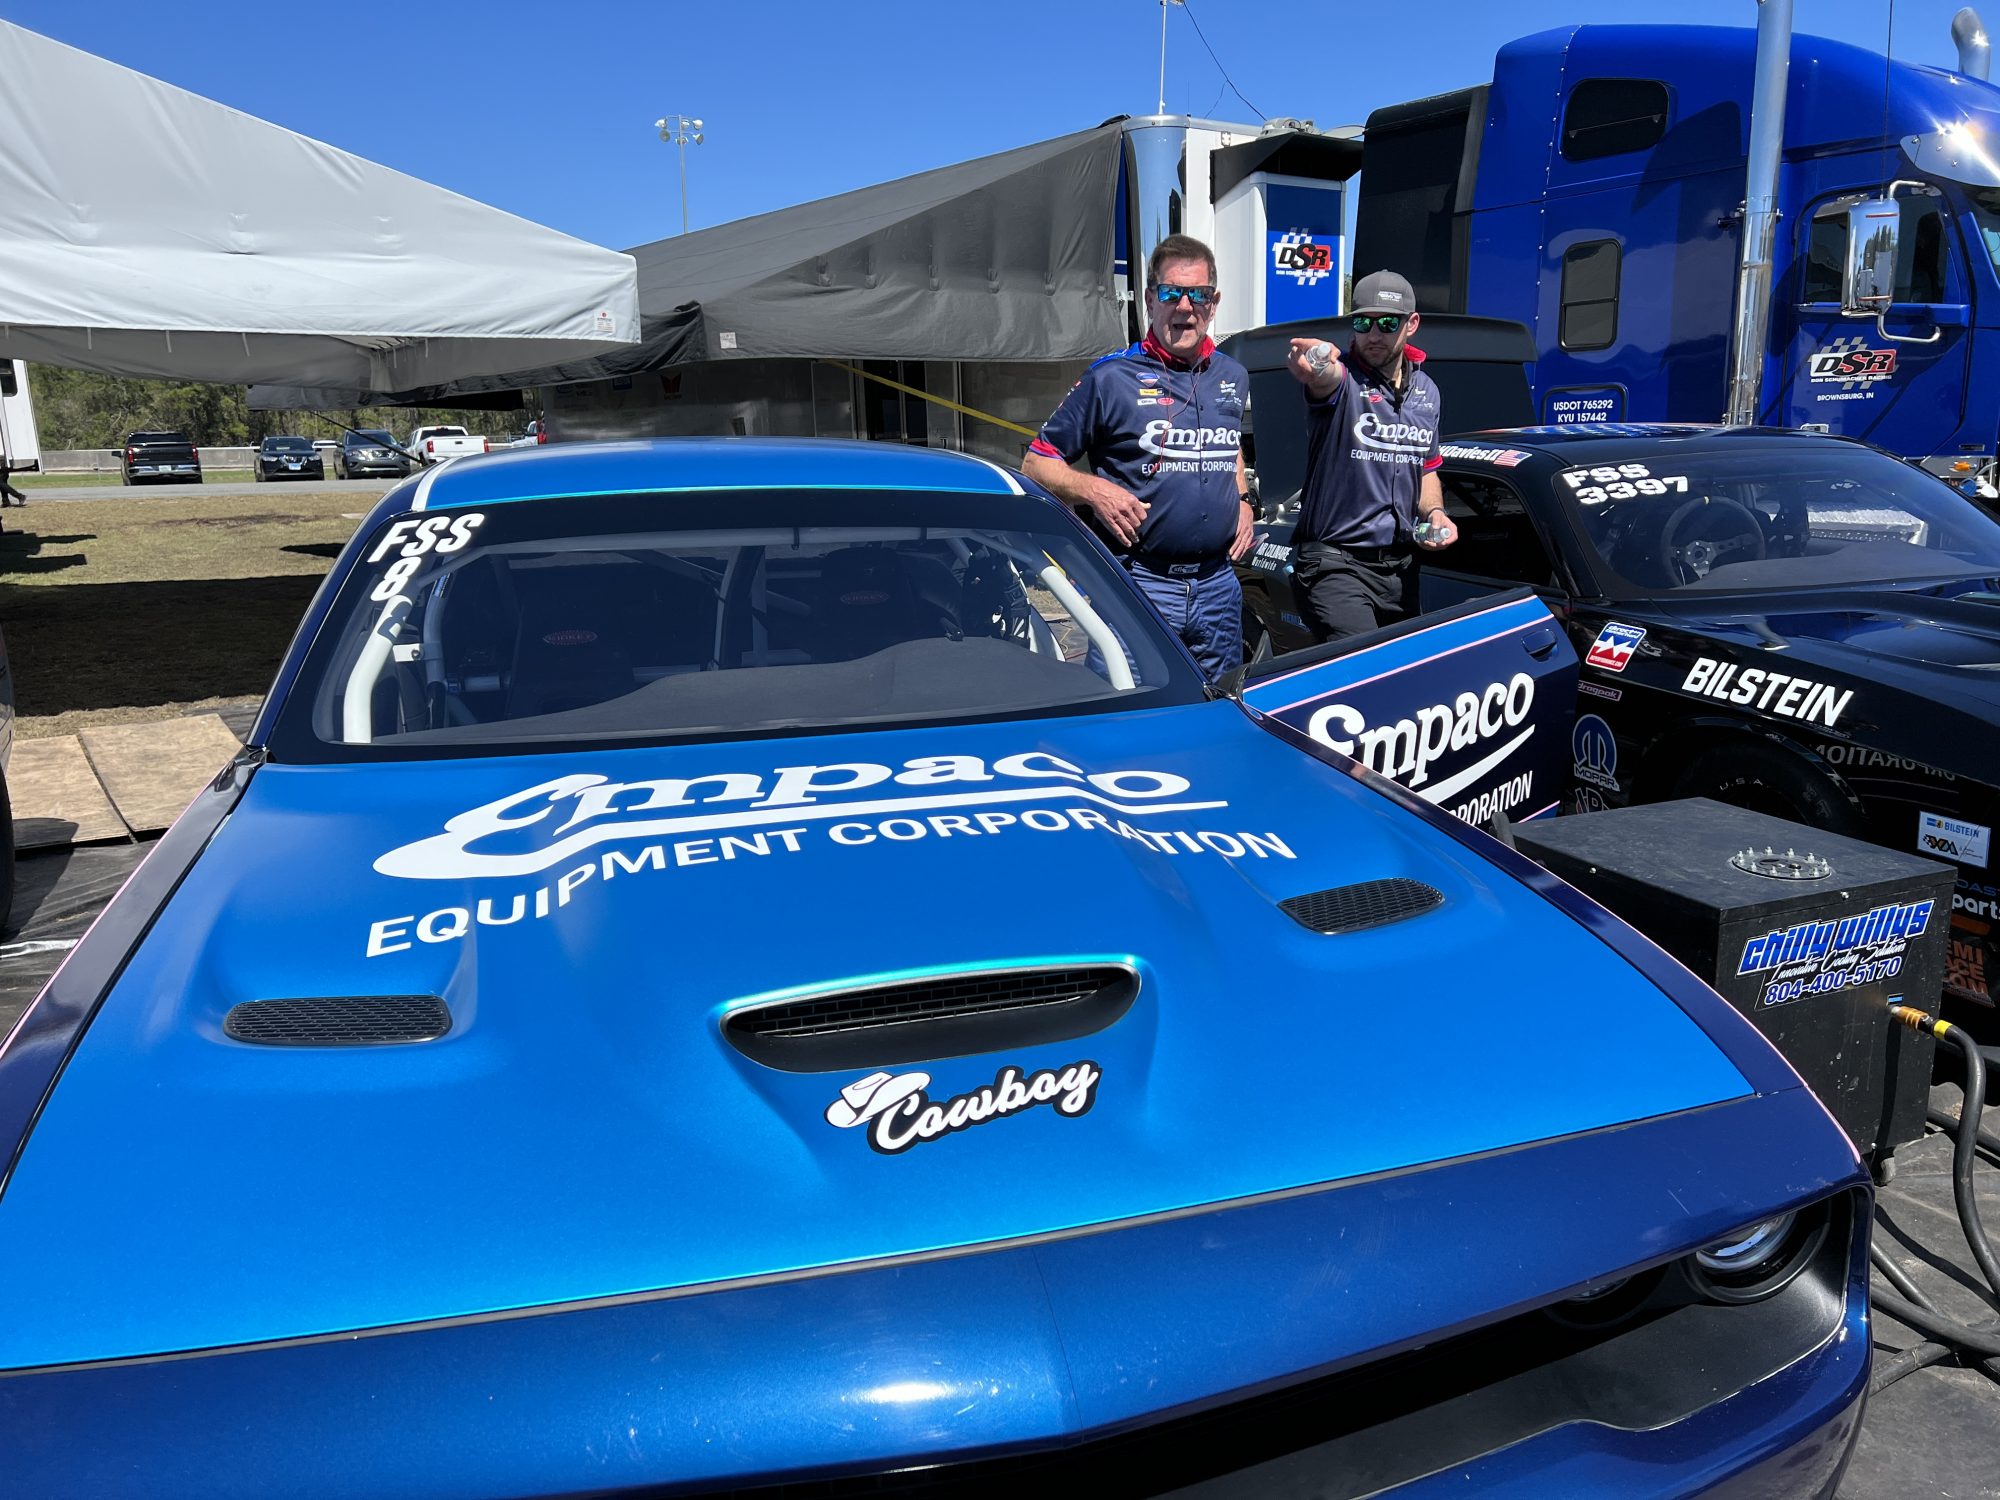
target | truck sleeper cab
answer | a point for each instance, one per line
(1609, 222)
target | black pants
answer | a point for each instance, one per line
(1340, 594)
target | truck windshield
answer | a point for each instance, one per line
(1773, 515)
(1986, 214)
(716, 615)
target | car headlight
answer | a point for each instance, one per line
(1757, 1260)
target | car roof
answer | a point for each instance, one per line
(1579, 443)
(563, 470)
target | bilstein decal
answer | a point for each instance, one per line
(1767, 691)
(898, 1112)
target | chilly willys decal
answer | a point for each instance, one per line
(723, 817)
(898, 1112)
(1812, 958)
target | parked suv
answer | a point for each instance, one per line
(288, 458)
(160, 455)
(368, 452)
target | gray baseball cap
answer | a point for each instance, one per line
(1383, 292)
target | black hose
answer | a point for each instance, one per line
(1965, 1146)
(1889, 1370)
(1988, 1142)
(1981, 1341)
(1894, 1275)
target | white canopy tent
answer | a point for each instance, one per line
(147, 231)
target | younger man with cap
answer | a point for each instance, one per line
(1372, 494)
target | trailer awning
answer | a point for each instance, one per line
(1008, 257)
(147, 231)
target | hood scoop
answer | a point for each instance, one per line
(339, 1021)
(938, 1016)
(1355, 908)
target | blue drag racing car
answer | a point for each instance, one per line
(737, 965)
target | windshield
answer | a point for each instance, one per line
(1986, 214)
(371, 435)
(1776, 515)
(716, 615)
(287, 445)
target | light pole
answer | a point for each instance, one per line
(1163, 51)
(679, 130)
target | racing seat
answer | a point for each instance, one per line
(572, 647)
(867, 601)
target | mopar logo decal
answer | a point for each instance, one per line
(1767, 691)
(1596, 753)
(899, 1113)
(1405, 749)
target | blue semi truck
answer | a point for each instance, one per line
(1595, 191)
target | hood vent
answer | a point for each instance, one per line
(1354, 908)
(341, 1021)
(943, 1015)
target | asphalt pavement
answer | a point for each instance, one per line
(56, 494)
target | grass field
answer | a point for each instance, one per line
(121, 610)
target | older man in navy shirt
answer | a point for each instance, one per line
(1162, 425)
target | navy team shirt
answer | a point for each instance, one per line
(1168, 432)
(1368, 446)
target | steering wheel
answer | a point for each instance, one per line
(1692, 558)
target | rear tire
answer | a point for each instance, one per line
(1767, 779)
(6, 857)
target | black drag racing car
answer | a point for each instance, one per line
(1791, 622)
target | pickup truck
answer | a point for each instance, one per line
(433, 445)
(160, 455)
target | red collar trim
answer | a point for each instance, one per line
(1159, 351)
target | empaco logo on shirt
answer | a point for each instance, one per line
(1392, 437)
(1161, 437)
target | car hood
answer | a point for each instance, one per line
(1919, 638)
(586, 1130)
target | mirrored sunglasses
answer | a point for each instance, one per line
(1381, 322)
(1200, 296)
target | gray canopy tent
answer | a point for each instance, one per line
(147, 231)
(1007, 257)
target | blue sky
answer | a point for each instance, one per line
(546, 110)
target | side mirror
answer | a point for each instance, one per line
(1868, 281)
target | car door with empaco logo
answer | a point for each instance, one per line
(1469, 708)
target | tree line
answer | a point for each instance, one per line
(82, 409)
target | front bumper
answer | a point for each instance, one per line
(1356, 1339)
